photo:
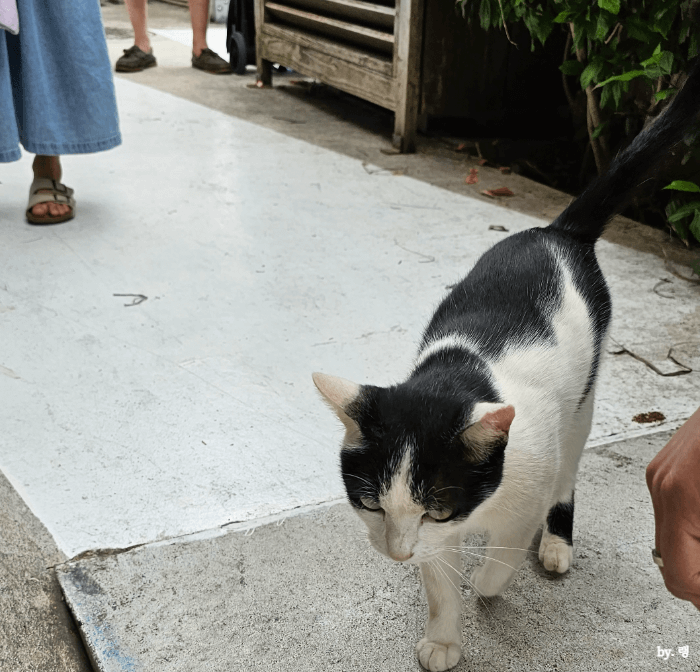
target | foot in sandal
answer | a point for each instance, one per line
(50, 202)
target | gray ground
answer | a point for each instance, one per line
(37, 633)
(310, 594)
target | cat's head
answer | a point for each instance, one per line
(416, 464)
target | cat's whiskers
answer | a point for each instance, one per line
(480, 555)
(500, 548)
(464, 577)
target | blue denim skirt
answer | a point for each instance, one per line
(56, 88)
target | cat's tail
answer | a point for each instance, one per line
(586, 217)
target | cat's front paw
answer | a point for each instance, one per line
(436, 656)
(555, 554)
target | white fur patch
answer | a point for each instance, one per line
(447, 342)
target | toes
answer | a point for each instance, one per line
(437, 657)
(50, 209)
(557, 556)
(58, 209)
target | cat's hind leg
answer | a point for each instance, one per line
(557, 546)
(440, 649)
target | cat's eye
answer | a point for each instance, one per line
(370, 504)
(439, 514)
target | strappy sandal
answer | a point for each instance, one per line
(45, 190)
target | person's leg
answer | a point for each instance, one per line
(138, 15)
(204, 58)
(49, 167)
(199, 14)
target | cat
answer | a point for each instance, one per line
(486, 432)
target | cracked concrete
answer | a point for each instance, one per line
(307, 591)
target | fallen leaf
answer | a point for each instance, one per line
(501, 191)
(505, 170)
(653, 416)
(473, 176)
(497, 227)
(464, 147)
(482, 162)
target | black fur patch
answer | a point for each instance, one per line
(560, 521)
(428, 413)
(507, 299)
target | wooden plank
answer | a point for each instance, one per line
(358, 81)
(264, 66)
(368, 13)
(367, 37)
(407, 63)
(380, 64)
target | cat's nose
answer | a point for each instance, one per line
(400, 558)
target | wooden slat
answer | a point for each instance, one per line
(369, 13)
(349, 77)
(367, 37)
(409, 29)
(382, 65)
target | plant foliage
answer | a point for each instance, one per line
(629, 57)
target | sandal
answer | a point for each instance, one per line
(44, 190)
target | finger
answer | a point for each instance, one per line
(680, 550)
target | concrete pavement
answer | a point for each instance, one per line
(37, 632)
(307, 592)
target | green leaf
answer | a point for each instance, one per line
(684, 211)
(573, 68)
(694, 226)
(693, 45)
(662, 95)
(654, 59)
(590, 73)
(682, 185)
(664, 20)
(681, 229)
(562, 17)
(626, 77)
(696, 267)
(598, 130)
(666, 62)
(602, 26)
(638, 30)
(617, 89)
(613, 6)
(485, 14)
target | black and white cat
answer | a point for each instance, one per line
(487, 431)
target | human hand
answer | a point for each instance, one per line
(673, 479)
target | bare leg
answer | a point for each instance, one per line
(199, 15)
(49, 167)
(138, 15)
(440, 649)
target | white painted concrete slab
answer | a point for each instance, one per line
(263, 259)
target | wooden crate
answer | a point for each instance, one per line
(369, 49)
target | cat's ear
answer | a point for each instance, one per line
(341, 395)
(487, 430)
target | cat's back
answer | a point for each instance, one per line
(535, 307)
(514, 291)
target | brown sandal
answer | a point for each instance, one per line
(45, 190)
